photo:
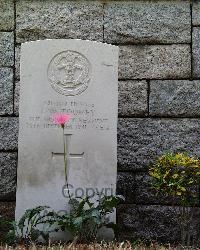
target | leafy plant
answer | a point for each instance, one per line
(83, 221)
(178, 175)
(87, 217)
(27, 229)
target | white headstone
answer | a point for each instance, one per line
(68, 76)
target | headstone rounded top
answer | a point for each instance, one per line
(75, 41)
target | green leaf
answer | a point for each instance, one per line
(78, 220)
(95, 213)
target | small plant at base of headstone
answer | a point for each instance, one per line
(87, 217)
(83, 221)
(36, 222)
(177, 175)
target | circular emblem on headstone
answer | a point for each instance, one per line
(69, 73)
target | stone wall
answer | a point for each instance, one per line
(159, 91)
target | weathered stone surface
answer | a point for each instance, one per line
(126, 186)
(174, 98)
(6, 91)
(8, 169)
(196, 52)
(140, 141)
(17, 62)
(8, 133)
(195, 13)
(7, 211)
(154, 222)
(59, 19)
(147, 22)
(16, 98)
(144, 194)
(136, 188)
(7, 14)
(6, 48)
(155, 61)
(132, 98)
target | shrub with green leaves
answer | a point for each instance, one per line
(178, 176)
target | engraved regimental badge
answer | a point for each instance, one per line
(69, 73)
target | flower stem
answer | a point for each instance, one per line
(65, 163)
(65, 156)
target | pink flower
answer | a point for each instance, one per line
(61, 118)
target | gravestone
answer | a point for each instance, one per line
(76, 77)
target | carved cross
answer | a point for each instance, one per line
(68, 154)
